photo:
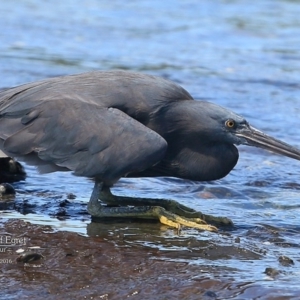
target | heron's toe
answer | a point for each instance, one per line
(173, 220)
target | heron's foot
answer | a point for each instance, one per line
(148, 212)
(169, 205)
(190, 213)
(168, 212)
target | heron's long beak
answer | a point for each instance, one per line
(253, 137)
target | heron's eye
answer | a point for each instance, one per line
(230, 124)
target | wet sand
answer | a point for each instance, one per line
(96, 267)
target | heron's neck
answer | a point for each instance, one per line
(200, 163)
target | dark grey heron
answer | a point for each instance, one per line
(113, 124)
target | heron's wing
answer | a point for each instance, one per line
(78, 135)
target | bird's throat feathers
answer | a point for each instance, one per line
(188, 132)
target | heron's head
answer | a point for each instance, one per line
(228, 127)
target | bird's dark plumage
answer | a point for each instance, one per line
(111, 124)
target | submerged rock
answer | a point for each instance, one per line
(29, 257)
(6, 189)
(285, 261)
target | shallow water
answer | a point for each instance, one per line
(241, 55)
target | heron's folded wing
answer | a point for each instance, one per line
(90, 140)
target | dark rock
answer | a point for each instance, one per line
(11, 170)
(6, 189)
(285, 261)
(27, 257)
(71, 196)
(210, 295)
(271, 272)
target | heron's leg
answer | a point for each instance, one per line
(170, 205)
